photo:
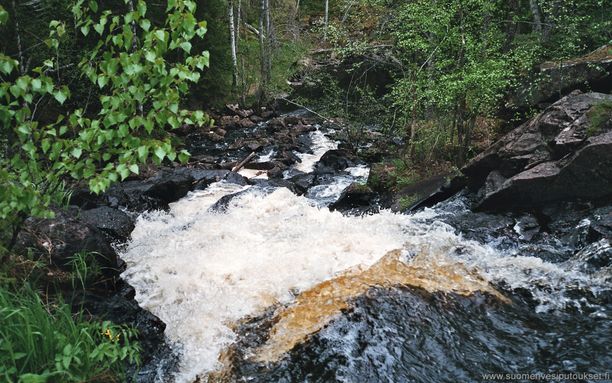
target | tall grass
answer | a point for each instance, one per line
(42, 342)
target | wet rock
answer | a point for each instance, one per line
(303, 182)
(260, 165)
(203, 178)
(58, 239)
(170, 185)
(115, 223)
(422, 192)
(220, 132)
(527, 227)
(335, 160)
(293, 120)
(355, 195)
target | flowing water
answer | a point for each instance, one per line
(299, 293)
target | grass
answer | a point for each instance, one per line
(43, 342)
(599, 115)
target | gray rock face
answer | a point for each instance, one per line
(58, 239)
(117, 224)
(549, 158)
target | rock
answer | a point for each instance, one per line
(335, 160)
(260, 165)
(58, 239)
(293, 120)
(170, 185)
(586, 174)
(203, 178)
(421, 193)
(229, 121)
(115, 223)
(220, 132)
(553, 157)
(256, 119)
(276, 171)
(534, 141)
(355, 195)
(303, 182)
(246, 123)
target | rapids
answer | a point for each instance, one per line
(205, 272)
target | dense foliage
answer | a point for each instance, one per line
(141, 72)
(41, 346)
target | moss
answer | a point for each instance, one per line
(600, 116)
(408, 200)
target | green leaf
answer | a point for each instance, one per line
(186, 46)
(60, 95)
(85, 30)
(102, 81)
(145, 24)
(161, 35)
(134, 168)
(76, 152)
(123, 171)
(150, 56)
(160, 153)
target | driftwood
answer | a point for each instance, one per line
(243, 162)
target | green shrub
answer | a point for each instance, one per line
(45, 343)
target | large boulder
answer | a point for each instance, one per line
(558, 155)
(60, 238)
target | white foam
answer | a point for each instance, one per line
(201, 271)
(320, 145)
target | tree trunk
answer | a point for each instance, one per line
(232, 30)
(22, 63)
(262, 51)
(537, 16)
(326, 20)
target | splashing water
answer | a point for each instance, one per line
(202, 271)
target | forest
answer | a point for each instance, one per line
(113, 110)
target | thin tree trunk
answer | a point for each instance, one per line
(22, 63)
(135, 47)
(269, 42)
(537, 16)
(326, 20)
(262, 51)
(232, 30)
(238, 21)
